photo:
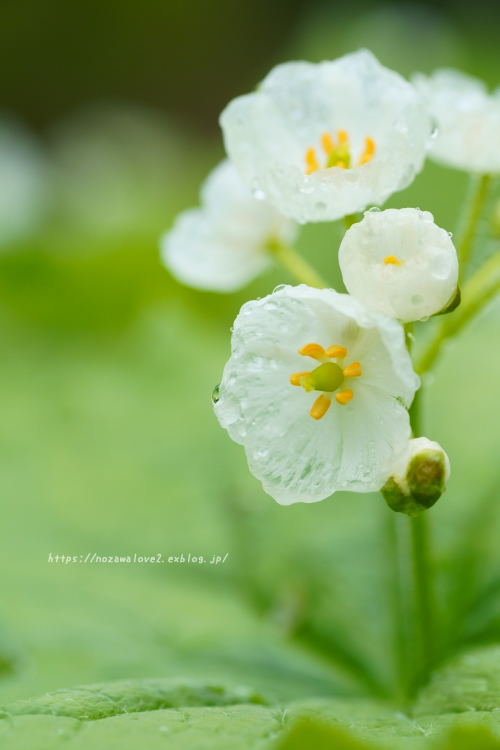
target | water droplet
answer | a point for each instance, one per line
(417, 208)
(450, 234)
(326, 182)
(216, 394)
(417, 299)
(279, 288)
(320, 206)
(424, 319)
(247, 310)
(306, 186)
(255, 364)
(270, 306)
(374, 210)
(259, 194)
(242, 431)
(232, 329)
(434, 132)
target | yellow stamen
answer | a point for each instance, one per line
(312, 164)
(353, 371)
(296, 377)
(391, 260)
(343, 137)
(327, 143)
(343, 397)
(312, 350)
(369, 151)
(336, 351)
(321, 406)
(341, 164)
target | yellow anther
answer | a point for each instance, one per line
(353, 371)
(341, 164)
(312, 164)
(343, 137)
(391, 260)
(296, 377)
(336, 351)
(327, 143)
(369, 151)
(312, 350)
(343, 397)
(321, 406)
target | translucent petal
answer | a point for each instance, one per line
(268, 132)
(423, 276)
(467, 118)
(297, 458)
(222, 245)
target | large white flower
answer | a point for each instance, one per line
(323, 141)
(224, 244)
(316, 390)
(467, 121)
(400, 263)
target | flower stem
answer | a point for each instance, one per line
(476, 208)
(476, 292)
(297, 266)
(424, 601)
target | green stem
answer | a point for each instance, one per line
(422, 571)
(476, 209)
(297, 266)
(476, 292)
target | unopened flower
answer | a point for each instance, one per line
(323, 141)
(316, 390)
(224, 244)
(418, 479)
(467, 117)
(400, 263)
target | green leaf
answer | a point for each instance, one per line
(308, 734)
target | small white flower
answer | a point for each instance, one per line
(467, 121)
(323, 141)
(24, 184)
(417, 447)
(400, 263)
(224, 244)
(316, 390)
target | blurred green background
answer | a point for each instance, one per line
(108, 442)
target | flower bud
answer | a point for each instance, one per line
(419, 478)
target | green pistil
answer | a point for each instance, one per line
(327, 378)
(340, 154)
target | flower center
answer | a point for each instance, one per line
(338, 152)
(327, 377)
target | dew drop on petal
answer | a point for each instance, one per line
(320, 206)
(417, 299)
(374, 209)
(279, 288)
(424, 319)
(259, 194)
(450, 234)
(306, 186)
(270, 306)
(434, 132)
(216, 394)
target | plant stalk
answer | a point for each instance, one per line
(297, 266)
(476, 209)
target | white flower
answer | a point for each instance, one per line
(224, 244)
(24, 189)
(467, 121)
(316, 390)
(417, 447)
(400, 263)
(323, 141)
